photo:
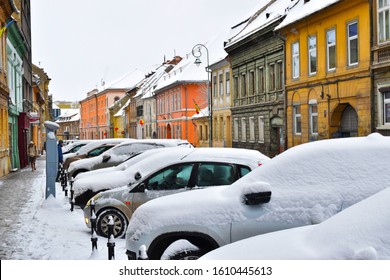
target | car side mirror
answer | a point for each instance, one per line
(257, 198)
(106, 158)
(256, 193)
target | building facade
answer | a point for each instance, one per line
(257, 61)
(328, 79)
(381, 66)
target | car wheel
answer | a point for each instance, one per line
(120, 223)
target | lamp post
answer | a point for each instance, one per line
(197, 53)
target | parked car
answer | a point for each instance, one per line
(120, 153)
(113, 157)
(74, 147)
(170, 171)
(359, 233)
(104, 145)
(304, 185)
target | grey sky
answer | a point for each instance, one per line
(79, 43)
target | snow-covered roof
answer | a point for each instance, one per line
(151, 82)
(122, 109)
(127, 81)
(302, 10)
(268, 12)
(69, 115)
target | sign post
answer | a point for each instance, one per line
(51, 158)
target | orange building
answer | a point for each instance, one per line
(176, 96)
(94, 114)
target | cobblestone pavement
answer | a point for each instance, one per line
(19, 193)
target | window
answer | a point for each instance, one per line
(235, 85)
(260, 80)
(295, 60)
(220, 84)
(383, 20)
(227, 79)
(271, 72)
(261, 129)
(243, 129)
(297, 119)
(215, 174)
(235, 129)
(353, 43)
(279, 78)
(252, 129)
(386, 108)
(171, 178)
(215, 86)
(313, 112)
(312, 55)
(252, 83)
(331, 49)
(243, 85)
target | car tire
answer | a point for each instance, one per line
(192, 254)
(120, 223)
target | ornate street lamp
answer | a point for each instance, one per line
(197, 53)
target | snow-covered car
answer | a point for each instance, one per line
(304, 185)
(113, 157)
(74, 147)
(97, 145)
(170, 171)
(358, 233)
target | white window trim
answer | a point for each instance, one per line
(350, 38)
(296, 116)
(295, 56)
(312, 102)
(382, 10)
(311, 73)
(327, 50)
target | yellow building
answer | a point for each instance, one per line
(221, 103)
(328, 80)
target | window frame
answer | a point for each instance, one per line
(297, 118)
(310, 51)
(383, 33)
(349, 40)
(328, 46)
(312, 116)
(295, 60)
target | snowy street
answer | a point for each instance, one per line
(33, 228)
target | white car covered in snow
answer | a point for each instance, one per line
(113, 157)
(360, 232)
(305, 185)
(169, 171)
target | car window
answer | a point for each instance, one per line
(99, 150)
(171, 178)
(133, 148)
(215, 174)
(75, 149)
(244, 170)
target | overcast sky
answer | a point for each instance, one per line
(80, 43)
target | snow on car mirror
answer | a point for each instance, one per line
(256, 193)
(106, 158)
